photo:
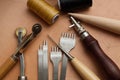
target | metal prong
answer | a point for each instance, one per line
(71, 25)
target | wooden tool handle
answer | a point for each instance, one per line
(83, 71)
(108, 24)
(7, 66)
(106, 63)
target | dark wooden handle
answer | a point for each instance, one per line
(106, 63)
(6, 67)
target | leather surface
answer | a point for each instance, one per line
(14, 13)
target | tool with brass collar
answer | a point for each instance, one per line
(92, 44)
(12, 60)
(82, 69)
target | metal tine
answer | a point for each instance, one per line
(67, 35)
(54, 49)
(40, 47)
(57, 49)
(45, 42)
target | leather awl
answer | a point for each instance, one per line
(111, 25)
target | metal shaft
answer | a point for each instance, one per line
(20, 34)
(22, 64)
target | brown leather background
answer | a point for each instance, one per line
(14, 13)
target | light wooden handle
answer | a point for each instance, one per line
(83, 71)
(6, 67)
(108, 24)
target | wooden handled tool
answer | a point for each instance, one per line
(82, 70)
(7, 66)
(10, 62)
(111, 25)
(91, 44)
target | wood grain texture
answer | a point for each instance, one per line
(6, 67)
(83, 70)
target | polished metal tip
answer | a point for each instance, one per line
(21, 30)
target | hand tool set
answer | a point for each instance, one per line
(13, 59)
(66, 43)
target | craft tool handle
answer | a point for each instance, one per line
(108, 65)
(83, 71)
(7, 66)
(22, 78)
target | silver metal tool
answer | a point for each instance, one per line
(43, 61)
(40, 63)
(81, 69)
(67, 42)
(20, 33)
(56, 57)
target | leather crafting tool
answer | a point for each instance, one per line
(111, 25)
(92, 44)
(12, 60)
(20, 33)
(82, 69)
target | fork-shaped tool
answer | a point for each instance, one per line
(56, 57)
(67, 42)
(43, 62)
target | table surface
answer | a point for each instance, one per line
(14, 14)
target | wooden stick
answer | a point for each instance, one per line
(7, 66)
(111, 25)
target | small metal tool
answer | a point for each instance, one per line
(12, 60)
(91, 44)
(67, 42)
(40, 63)
(43, 61)
(20, 33)
(82, 69)
(56, 57)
